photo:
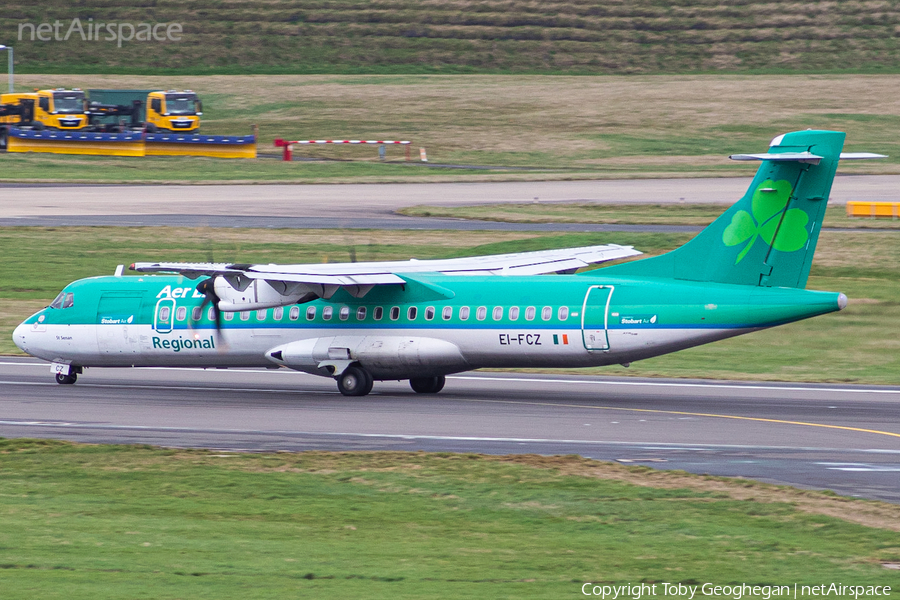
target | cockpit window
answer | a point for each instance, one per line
(58, 301)
(64, 300)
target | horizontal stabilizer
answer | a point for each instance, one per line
(805, 157)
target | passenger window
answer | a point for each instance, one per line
(395, 313)
(181, 313)
(245, 315)
(344, 313)
(211, 314)
(228, 316)
(378, 313)
(196, 313)
(279, 313)
(69, 301)
(326, 313)
(448, 313)
(411, 313)
(58, 301)
(261, 314)
(497, 313)
(529, 313)
(164, 314)
(563, 313)
(464, 313)
(513, 313)
(310, 313)
(546, 313)
(294, 313)
(481, 313)
(361, 313)
(429, 313)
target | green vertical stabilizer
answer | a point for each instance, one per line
(769, 236)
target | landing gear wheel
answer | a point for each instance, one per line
(66, 379)
(151, 128)
(355, 381)
(3, 139)
(427, 385)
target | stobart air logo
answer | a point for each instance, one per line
(769, 203)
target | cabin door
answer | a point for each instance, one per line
(117, 322)
(595, 317)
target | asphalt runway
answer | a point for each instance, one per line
(363, 205)
(838, 437)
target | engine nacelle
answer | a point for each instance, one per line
(237, 294)
(385, 357)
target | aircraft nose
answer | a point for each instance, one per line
(20, 337)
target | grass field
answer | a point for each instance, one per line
(565, 127)
(134, 522)
(645, 214)
(509, 36)
(860, 344)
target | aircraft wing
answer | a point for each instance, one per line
(388, 272)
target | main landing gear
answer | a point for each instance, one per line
(427, 385)
(357, 381)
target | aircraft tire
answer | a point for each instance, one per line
(66, 379)
(3, 139)
(355, 381)
(427, 385)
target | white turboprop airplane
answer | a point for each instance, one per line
(422, 320)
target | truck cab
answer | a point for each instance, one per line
(60, 109)
(173, 111)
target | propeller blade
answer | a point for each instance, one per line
(207, 288)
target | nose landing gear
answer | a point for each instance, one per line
(66, 379)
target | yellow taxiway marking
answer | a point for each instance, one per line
(693, 414)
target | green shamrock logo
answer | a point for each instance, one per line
(769, 203)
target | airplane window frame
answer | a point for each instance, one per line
(546, 313)
(181, 313)
(196, 313)
(245, 315)
(327, 312)
(69, 302)
(411, 313)
(211, 314)
(395, 313)
(513, 313)
(265, 313)
(344, 313)
(481, 313)
(278, 313)
(361, 313)
(447, 313)
(164, 314)
(294, 313)
(310, 313)
(530, 313)
(497, 313)
(378, 313)
(229, 316)
(563, 313)
(429, 313)
(463, 313)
